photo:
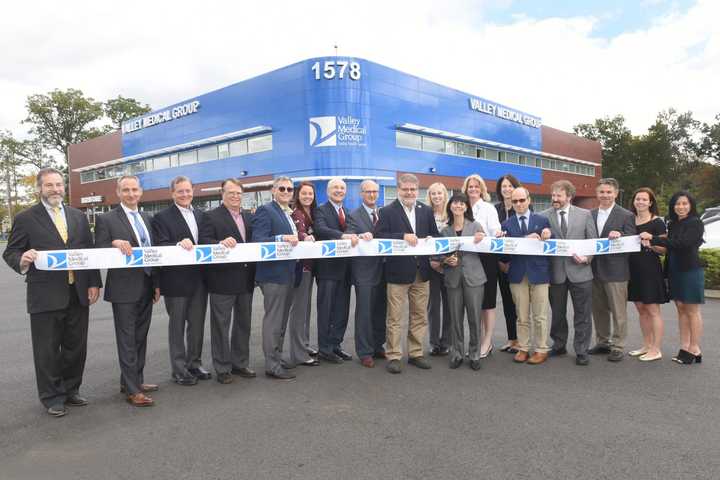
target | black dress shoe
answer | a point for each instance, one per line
(616, 356)
(394, 366)
(244, 372)
(329, 357)
(280, 375)
(582, 360)
(75, 400)
(186, 380)
(342, 354)
(312, 352)
(475, 364)
(455, 363)
(313, 362)
(435, 352)
(57, 411)
(224, 378)
(200, 373)
(599, 349)
(559, 352)
(420, 362)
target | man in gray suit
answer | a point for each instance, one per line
(610, 273)
(570, 274)
(367, 276)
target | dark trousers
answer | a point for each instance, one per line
(132, 323)
(370, 311)
(438, 311)
(59, 342)
(508, 305)
(333, 308)
(581, 294)
(230, 347)
(186, 330)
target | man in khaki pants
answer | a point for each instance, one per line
(529, 278)
(407, 276)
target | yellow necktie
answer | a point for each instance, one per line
(62, 230)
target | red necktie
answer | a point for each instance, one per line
(341, 217)
(374, 218)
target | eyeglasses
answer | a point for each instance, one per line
(282, 189)
(519, 200)
(371, 192)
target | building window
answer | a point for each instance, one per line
(433, 144)
(239, 147)
(160, 163)
(223, 150)
(207, 154)
(187, 158)
(408, 140)
(86, 177)
(260, 144)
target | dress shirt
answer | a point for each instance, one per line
(288, 214)
(189, 217)
(51, 210)
(239, 222)
(410, 215)
(370, 212)
(602, 217)
(131, 219)
(565, 209)
(486, 215)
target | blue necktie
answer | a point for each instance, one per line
(142, 233)
(144, 241)
(523, 227)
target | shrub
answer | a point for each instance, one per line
(712, 270)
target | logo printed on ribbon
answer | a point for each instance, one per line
(136, 258)
(385, 247)
(602, 246)
(329, 249)
(442, 246)
(549, 247)
(497, 244)
(268, 251)
(323, 131)
(203, 254)
(57, 260)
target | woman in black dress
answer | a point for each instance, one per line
(684, 271)
(647, 283)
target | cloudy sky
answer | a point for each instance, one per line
(565, 61)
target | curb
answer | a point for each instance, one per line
(712, 293)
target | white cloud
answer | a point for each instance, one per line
(163, 52)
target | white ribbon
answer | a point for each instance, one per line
(98, 258)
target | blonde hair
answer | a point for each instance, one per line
(443, 189)
(484, 191)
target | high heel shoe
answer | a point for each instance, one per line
(488, 353)
(698, 358)
(684, 357)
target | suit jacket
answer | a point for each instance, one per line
(536, 267)
(394, 224)
(34, 228)
(616, 267)
(227, 278)
(327, 227)
(169, 227)
(270, 220)
(123, 285)
(365, 270)
(470, 267)
(580, 227)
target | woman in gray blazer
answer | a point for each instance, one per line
(464, 279)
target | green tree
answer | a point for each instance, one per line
(711, 140)
(63, 117)
(121, 109)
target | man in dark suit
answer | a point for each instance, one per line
(57, 301)
(230, 285)
(529, 278)
(183, 286)
(407, 276)
(367, 276)
(570, 274)
(610, 273)
(132, 291)
(333, 276)
(272, 223)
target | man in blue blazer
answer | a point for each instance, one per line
(529, 277)
(272, 223)
(408, 277)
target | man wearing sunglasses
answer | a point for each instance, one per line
(272, 223)
(529, 278)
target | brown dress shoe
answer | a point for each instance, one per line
(537, 358)
(367, 362)
(520, 357)
(140, 400)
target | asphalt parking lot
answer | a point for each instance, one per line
(605, 421)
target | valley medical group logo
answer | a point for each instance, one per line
(334, 131)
